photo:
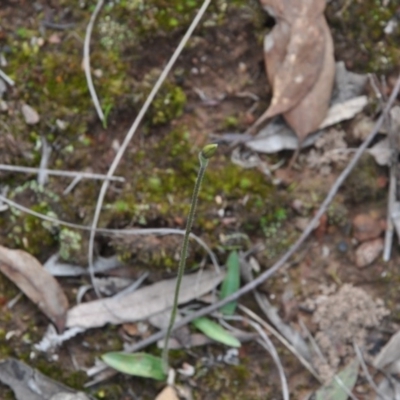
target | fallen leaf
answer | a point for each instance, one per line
(277, 136)
(142, 303)
(30, 276)
(368, 252)
(28, 383)
(136, 364)
(343, 111)
(168, 393)
(335, 391)
(381, 151)
(389, 388)
(300, 64)
(389, 356)
(30, 115)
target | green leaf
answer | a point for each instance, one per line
(215, 332)
(137, 364)
(231, 283)
(334, 390)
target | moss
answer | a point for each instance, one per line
(226, 382)
(360, 27)
(27, 231)
(167, 105)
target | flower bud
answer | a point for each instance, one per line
(209, 150)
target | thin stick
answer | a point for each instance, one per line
(366, 372)
(135, 125)
(69, 174)
(6, 78)
(389, 219)
(270, 272)
(86, 60)
(44, 162)
(393, 165)
(283, 340)
(269, 346)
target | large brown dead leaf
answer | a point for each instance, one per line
(300, 65)
(36, 283)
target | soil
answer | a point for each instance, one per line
(238, 208)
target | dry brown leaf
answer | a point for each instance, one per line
(36, 283)
(300, 64)
(142, 303)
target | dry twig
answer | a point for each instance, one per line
(70, 174)
(86, 60)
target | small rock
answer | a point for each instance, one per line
(30, 115)
(61, 125)
(366, 227)
(98, 73)
(368, 252)
(342, 246)
(54, 39)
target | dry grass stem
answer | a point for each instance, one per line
(69, 174)
(86, 60)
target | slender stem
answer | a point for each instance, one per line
(182, 261)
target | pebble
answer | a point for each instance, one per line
(342, 246)
(31, 116)
(368, 252)
(366, 227)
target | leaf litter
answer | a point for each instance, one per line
(28, 383)
(36, 283)
(346, 102)
(142, 303)
(300, 64)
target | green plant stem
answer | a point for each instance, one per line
(182, 261)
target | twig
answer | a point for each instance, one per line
(283, 340)
(366, 372)
(135, 125)
(55, 26)
(44, 162)
(70, 174)
(86, 60)
(393, 165)
(390, 206)
(6, 78)
(290, 334)
(270, 272)
(269, 346)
